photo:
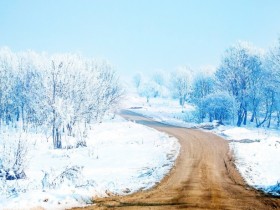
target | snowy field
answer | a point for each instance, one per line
(121, 157)
(256, 150)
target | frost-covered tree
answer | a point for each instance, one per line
(203, 85)
(181, 82)
(159, 78)
(55, 87)
(162, 81)
(26, 95)
(107, 94)
(7, 66)
(237, 73)
(218, 106)
(148, 89)
(137, 79)
(269, 87)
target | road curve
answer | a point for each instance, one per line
(204, 177)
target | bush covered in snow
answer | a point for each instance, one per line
(54, 180)
(13, 159)
(218, 106)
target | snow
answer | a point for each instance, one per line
(257, 156)
(256, 150)
(121, 157)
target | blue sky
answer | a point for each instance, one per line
(143, 35)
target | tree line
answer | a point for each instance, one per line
(58, 94)
(245, 87)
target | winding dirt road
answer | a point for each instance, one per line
(204, 177)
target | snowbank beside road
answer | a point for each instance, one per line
(121, 157)
(257, 155)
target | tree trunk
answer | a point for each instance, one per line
(210, 118)
(245, 117)
(265, 118)
(253, 115)
(271, 108)
(22, 117)
(58, 139)
(269, 120)
(269, 115)
(53, 130)
(278, 119)
(239, 118)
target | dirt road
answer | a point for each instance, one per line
(204, 178)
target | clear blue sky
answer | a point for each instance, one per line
(143, 35)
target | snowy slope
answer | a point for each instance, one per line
(120, 158)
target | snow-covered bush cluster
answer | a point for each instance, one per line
(243, 88)
(13, 159)
(52, 180)
(59, 94)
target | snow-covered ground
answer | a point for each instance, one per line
(164, 110)
(257, 154)
(121, 157)
(256, 150)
